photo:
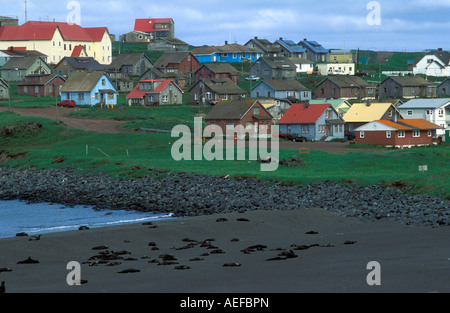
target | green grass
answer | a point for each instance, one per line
(162, 117)
(26, 101)
(133, 154)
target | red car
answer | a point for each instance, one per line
(67, 103)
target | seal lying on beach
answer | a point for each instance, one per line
(2, 287)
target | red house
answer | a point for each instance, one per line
(250, 114)
(178, 63)
(399, 134)
(217, 70)
(41, 85)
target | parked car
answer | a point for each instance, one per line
(67, 103)
(364, 73)
(296, 137)
(350, 135)
(252, 78)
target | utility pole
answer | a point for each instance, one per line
(26, 14)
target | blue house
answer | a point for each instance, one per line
(283, 89)
(314, 51)
(316, 122)
(89, 88)
(290, 49)
(230, 53)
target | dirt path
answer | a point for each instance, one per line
(112, 127)
(97, 125)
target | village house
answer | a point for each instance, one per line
(341, 56)
(126, 65)
(211, 90)
(314, 51)
(149, 29)
(303, 65)
(58, 40)
(345, 87)
(230, 53)
(271, 68)
(155, 92)
(443, 89)
(18, 52)
(17, 68)
(154, 73)
(178, 63)
(407, 87)
(68, 65)
(362, 113)
(41, 85)
(249, 114)
(4, 90)
(336, 68)
(400, 134)
(435, 63)
(340, 105)
(168, 44)
(289, 49)
(264, 46)
(275, 106)
(89, 88)
(436, 111)
(217, 70)
(284, 89)
(316, 122)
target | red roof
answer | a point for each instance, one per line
(146, 25)
(301, 114)
(136, 93)
(45, 31)
(77, 51)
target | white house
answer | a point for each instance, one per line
(435, 110)
(303, 65)
(436, 63)
(336, 68)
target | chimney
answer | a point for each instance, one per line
(439, 49)
(256, 37)
(226, 42)
(281, 38)
(304, 39)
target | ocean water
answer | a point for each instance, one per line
(18, 216)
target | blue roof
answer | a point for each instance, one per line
(291, 46)
(425, 103)
(314, 46)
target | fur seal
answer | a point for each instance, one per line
(2, 287)
(231, 265)
(28, 261)
(130, 270)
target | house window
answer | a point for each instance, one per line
(329, 115)
(321, 128)
(36, 89)
(388, 134)
(103, 82)
(410, 112)
(441, 112)
(110, 96)
(416, 133)
(230, 125)
(277, 103)
(96, 96)
(333, 91)
(256, 111)
(248, 125)
(401, 134)
(361, 135)
(430, 133)
(81, 96)
(305, 129)
(390, 113)
(25, 89)
(429, 112)
(165, 98)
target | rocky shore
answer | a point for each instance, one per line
(192, 195)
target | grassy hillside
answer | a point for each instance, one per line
(133, 154)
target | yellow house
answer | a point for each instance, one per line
(341, 56)
(58, 40)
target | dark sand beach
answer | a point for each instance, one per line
(188, 255)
